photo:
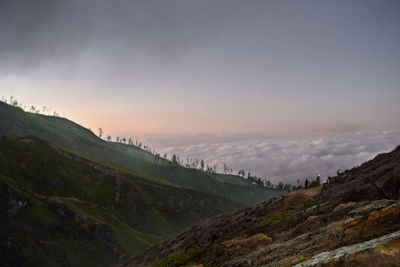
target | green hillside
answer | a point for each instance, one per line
(58, 208)
(14, 121)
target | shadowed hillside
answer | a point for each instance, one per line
(60, 209)
(354, 220)
(72, 136)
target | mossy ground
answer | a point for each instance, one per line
(190, 257)
(66, 210)
(281, 215)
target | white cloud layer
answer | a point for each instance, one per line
(281, 158)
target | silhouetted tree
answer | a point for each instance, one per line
(306, 183)
(173, 159)
(226, 169)
(268, 184)
(241, 173)
(209, 169)
(315, 182)
(100, 132)
(108, 138)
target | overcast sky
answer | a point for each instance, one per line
(206, 66)
(229, 73)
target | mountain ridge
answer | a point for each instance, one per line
(354, 220)
(70, 207)
(74, 137)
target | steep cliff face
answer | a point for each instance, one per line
(354, 220)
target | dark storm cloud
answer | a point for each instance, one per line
(35, 32)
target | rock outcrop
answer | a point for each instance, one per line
(354, 220)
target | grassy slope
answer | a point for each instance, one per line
(74, 137)
(59, 208)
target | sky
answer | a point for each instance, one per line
(208, 68)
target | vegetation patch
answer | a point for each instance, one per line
(179, 259)
(280, 216)
(381, 170)
(308, 203)
(191, 257)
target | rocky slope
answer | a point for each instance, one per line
(354, 220)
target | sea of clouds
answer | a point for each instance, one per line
(279, 158)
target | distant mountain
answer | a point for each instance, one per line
(63, 132)
(60, 209)
(354, 220)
